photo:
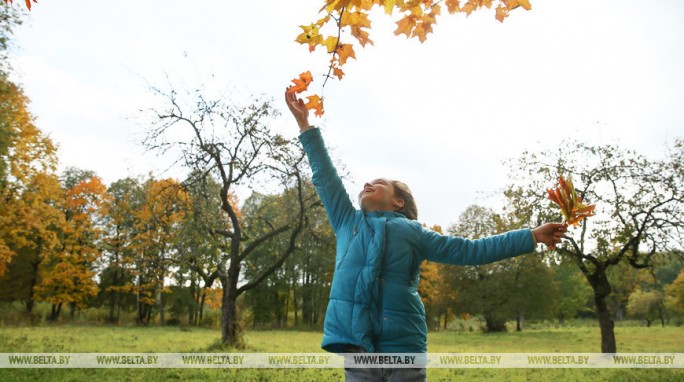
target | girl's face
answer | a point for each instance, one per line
(379, 195)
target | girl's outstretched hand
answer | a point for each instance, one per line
(298, 109)
(550, 234)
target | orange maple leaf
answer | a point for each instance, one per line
(571, 206)
(453, 6)
(421, 30)
(406, 25)
(501, 13)
(361, 35)
(345, 51)
(338, 72)
(315, 103)
(301, 83)
(468, 8)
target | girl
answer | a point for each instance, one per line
(374, 304)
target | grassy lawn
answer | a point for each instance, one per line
(83, 339)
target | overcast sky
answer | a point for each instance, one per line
(440, 116)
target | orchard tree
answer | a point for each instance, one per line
(231, 141)
(196, 251)
(302, 285)
(158, 220)
(118, 256)
(574, 294)
(438, 290)
(640, 210)
(674, 294)
(647, 305)
(519, 288)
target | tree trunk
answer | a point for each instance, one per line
(30, 302)
(519, 319)
(294, 303)
(29, 305)
(661, 315)
(162, 320)
(148, 315)
(72, 310)
(112, 298)
(605, 323)
(493, 325)
(283, 316)
(601, 286)
(192, 312)
(230, 331)
(201, 306)
(56, 310)
(138, 304)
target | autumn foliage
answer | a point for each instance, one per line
(571, 206)
(416, 20)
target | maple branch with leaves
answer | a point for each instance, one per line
(418, 17)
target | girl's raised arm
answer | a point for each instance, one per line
(325, 178)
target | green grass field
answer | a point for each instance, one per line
(83, 339)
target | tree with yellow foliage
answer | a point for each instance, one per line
(67, 274)
(30, 196)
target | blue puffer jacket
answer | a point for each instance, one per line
(374, 301)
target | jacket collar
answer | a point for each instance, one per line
(384, 214)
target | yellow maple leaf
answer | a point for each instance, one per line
(315, 103)
(525, 4)
(331, 43)
(358, 19)
(310, 35)
(334, 5)
(389, 6)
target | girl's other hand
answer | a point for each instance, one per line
(550, 234)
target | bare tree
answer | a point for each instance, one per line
(640, 204)
(233, 144)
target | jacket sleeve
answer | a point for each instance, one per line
(459, 251)
(326, 180)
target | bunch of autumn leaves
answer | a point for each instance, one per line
(570, 203)
(418, 17)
